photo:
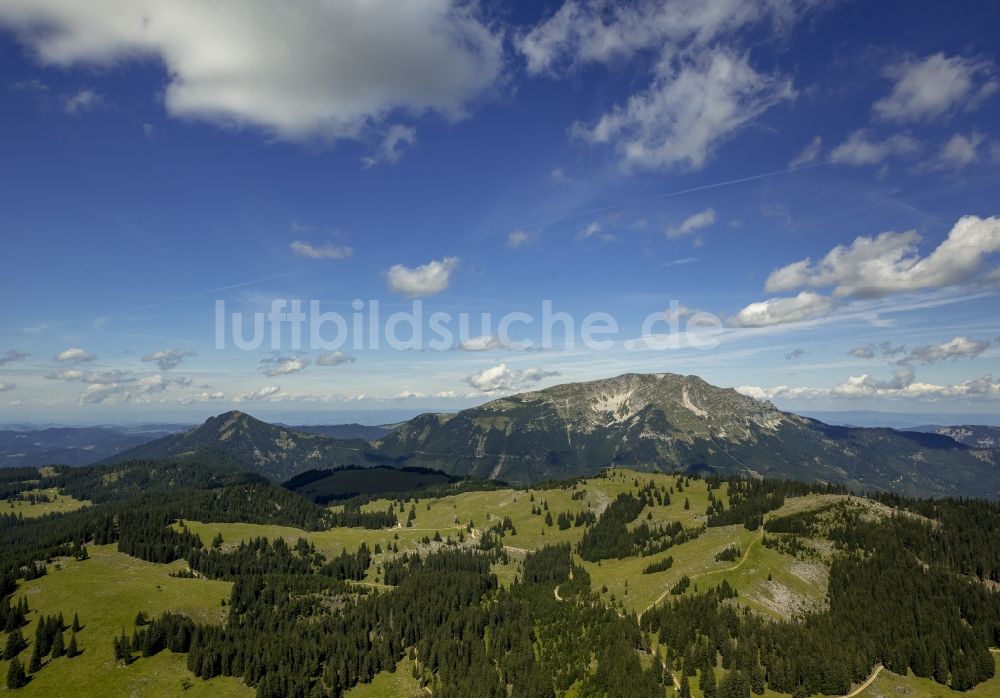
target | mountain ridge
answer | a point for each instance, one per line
(652, 422)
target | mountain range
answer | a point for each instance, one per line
(653, 422)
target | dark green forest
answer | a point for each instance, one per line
(908, 591)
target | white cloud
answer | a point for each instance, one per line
(808, 155)
(502, 378)
(861, 149)
(425, 280)
(891, 262)
(74, 355)
(933, 87)
(693, 223)
(314, 68)
(778, 311)
(692, 105)
(518, 238)
(82, 101)
(959, 151)
(168, 359)
(140, 390)
(902, 385)
(682, 261)
(558, 174)
(582, 32)
(483, 343)
(268, 391)
(334, 358)
(283, 365)
(110, 377)
(956, 348)
(31, 85)
(6, 387)
(304, 249)
(593, 230)
(204, 396)
(870, 351)
(11, 356)
(396, 139)
(796, 353)
(407, 395)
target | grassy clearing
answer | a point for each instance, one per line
(889, 685)
(60, 503)
(107, 591)
(397, 684)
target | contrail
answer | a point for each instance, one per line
(665, 195)
(534, 224)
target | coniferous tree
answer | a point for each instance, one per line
(707, 681)
(35, 664)
(58, 648)
(72, 650)
(685, 691)
(15, 643)
(16, 678)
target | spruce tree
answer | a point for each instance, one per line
(685, 691)
(58, 648)
(72, 650)
(36, 661)
(76, 623)
(707, 683)
(16, 678)
(15, 643)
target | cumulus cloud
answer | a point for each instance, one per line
(902, 385)
(861, 148)
(312, 69)
(871, 350)
(5, 387)
(305, 249)
(73, 355)
(396, 139)
(483, 343)
(956, 348)
(502, 378)
(425, 280)
(12, 356)
(168, 359)
(890, 262)
(692, 105)
(268, 391)
(959, 151)
(283, 365)
(692, 224)
(138, 390)
(934, 87)
(778, 311)
(334, 358)
(407, 395)
(109, 377)
(517, 238)
(82, 101)
(808, 155)
(204, 396)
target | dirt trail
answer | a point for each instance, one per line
(693, 577)
(868, 682)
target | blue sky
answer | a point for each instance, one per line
(812, 183)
